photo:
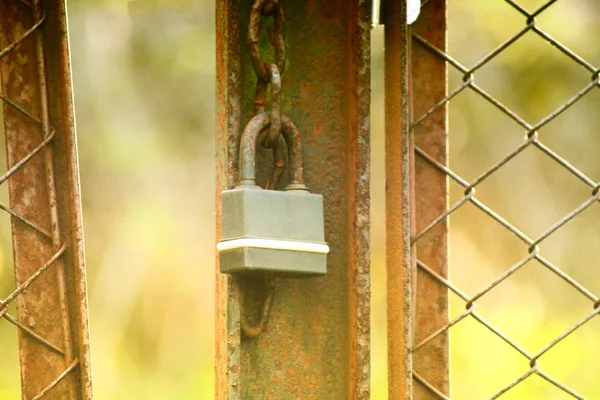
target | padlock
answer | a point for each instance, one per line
(272, 232)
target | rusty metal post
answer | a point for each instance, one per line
(316, 345)
(429, 85)
(398, 170)
(44, 201)
(416, 194)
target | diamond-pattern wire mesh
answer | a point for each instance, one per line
(531, 139)
(44, 234)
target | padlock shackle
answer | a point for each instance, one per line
(278, 160)
(249, 144)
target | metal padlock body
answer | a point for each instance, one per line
(269, 231)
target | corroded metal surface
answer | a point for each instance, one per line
(316, 345)
(228, 134)
(429, 83)
(416, 194)
(398, 200)
(44, 202)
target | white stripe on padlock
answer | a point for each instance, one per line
(273, 244)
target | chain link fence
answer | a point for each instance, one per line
(39, 199)
(534, 138)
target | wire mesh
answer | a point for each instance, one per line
(531, 139)
(43, 224)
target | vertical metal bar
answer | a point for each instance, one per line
(45, 191)
(317, 341)
(51, 194)
(227, 138)
(429, 85)
(398, 199)
(359, 181)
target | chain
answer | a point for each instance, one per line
(268, 72)
(266, 8)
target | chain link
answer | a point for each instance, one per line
(268, 72)
(266, 8)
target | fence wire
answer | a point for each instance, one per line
(532, 139)
(44, 235)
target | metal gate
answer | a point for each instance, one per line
(428, 312)
(427, 350)
(454, 178)
(49, 295)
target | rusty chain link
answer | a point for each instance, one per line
(532, 140)
(268, 72)
(275, 128)
(266, 8)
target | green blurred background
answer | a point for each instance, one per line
(144, 81)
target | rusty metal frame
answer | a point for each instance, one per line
(416, 193)
(398, 200)
(429, 81)
(43, 181)
(416, 65)
(316, 344)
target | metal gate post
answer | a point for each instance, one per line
(416, 194)
(429, 85)
(398, 172)
(44, 201)
(316, 345)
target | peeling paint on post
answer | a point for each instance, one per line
(317, 342)
(45, 191)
